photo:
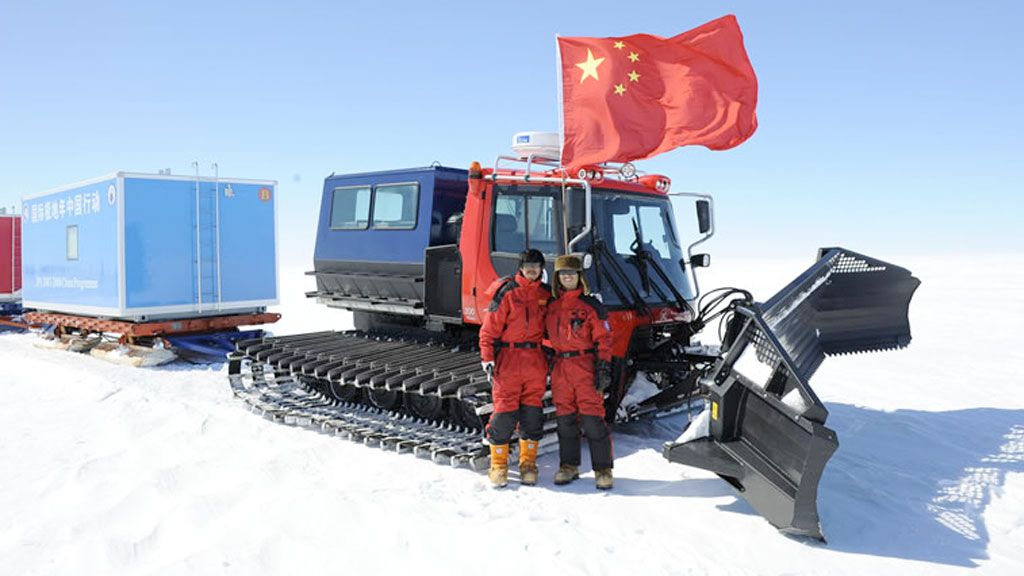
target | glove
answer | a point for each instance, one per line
(602, 375)
(488, 368)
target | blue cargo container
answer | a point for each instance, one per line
(144, 246)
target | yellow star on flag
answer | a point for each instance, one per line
(619, 45)
(633, 56)
(589, 66)
(633, 76)
(620, 89)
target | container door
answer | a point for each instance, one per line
(207, 247)
(16, 255)
(248, 263)
(6, 256)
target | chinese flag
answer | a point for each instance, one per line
(637, 96)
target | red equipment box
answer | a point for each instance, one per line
(10, 258)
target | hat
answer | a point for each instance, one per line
(568, 263)
(573, 264)
(531, 256)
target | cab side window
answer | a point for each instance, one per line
(395, 206)
(541, 229)
(350, 208)
(381, 207)
(509, 224)
(524, 221)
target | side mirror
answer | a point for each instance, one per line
(700, 260)
(703, 216)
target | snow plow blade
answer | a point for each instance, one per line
(763, 430)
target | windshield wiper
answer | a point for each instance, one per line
(645, 280)
(644, 256)
(601, 274)
(600, 250)
(680, 300)
(636, 300)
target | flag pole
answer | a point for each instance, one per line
(561, 115)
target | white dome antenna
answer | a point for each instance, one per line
(543, 144)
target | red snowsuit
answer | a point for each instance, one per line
(577, 327)
(578, 330)
(511, 336)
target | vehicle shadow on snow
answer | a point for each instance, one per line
(905, 484)
(915, 485)
(646, 434)
(688, 488)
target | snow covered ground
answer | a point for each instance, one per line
(112, 470)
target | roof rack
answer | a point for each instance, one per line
(624, 171)
(531, 161)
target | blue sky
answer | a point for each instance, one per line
(891, 128)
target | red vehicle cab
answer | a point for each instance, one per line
(622, 225)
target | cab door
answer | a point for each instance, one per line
(525, 217)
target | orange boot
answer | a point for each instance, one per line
(528, 462)
(499, 465)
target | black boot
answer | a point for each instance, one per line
(566, 473)
(600, 440)
(569, 439)
(568, 449)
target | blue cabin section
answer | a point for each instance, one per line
(143, 247)
(374, 229)
(70, 251)
(388, 217)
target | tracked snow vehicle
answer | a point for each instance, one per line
(412, 253)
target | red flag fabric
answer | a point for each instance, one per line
(636, 96)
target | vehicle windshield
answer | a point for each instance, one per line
(630, 225)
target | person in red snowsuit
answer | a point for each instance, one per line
(578, 330)
(511, 353)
